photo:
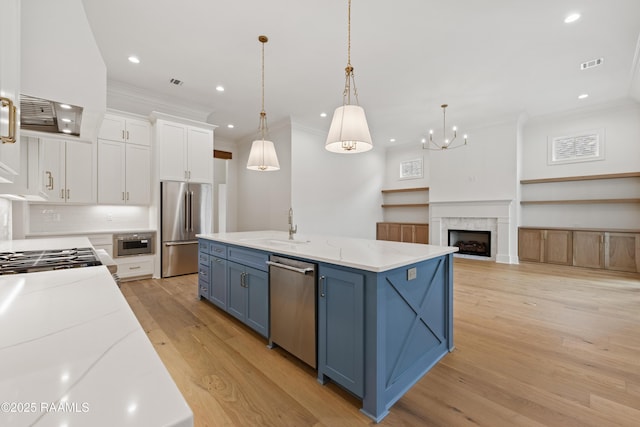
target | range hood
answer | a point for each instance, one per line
(60, 64)
(44, 115)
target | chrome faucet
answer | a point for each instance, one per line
(292, 229)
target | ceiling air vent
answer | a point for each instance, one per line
(591, 64)
(176, 82)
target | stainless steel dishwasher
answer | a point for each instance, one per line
(292, 294)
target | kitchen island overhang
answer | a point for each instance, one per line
(385, 309)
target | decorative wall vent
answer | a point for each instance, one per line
(591, 64)
(176, 82)
(582, 147)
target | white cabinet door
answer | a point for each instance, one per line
(138, 132)
(173, 150)
(138, 175)
(52, 153)
(80, 172)
(200, 155)
(10, 88)
(111, 172)
(112, 128)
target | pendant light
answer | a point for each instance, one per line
(349, 132)
(447, 143)
(262, 156)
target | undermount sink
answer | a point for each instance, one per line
(285, 241)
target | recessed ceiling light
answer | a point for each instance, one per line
(220, 88)
(423, 140)
(583, 96)
(134, 59)
(65, 106)
(230, 126)
(392, 140)
(571, 18)
(323, 114)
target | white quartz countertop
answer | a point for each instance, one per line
(363, 254)
(72, 353)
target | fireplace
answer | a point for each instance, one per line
(471, 242)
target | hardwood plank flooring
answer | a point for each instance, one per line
(536, 345)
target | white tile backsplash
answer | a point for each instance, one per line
(45, 218)
(5, 219)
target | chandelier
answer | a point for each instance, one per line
(447, 143)
(349, 132)
(263, 156)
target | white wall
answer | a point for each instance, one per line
(231, 182)
(621, 125)
(486, 169)
(394, 157)
(334, 194)
(264, 198)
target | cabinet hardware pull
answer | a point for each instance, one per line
(127, 195)
(68, 194)
(322, 289)
(123, 135)
(11, 132)
(49, 185)
(62, 193)
(127, 135)
(288, 267)
(135, 267)
(123, 195)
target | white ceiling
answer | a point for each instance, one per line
(490, 60)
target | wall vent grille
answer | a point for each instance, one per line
(176, 82)
(591, 64)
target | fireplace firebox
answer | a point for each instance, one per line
(471, 242)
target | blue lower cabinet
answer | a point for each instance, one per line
(218, 286)
(248, 296)
(341, 328)
(203, 281)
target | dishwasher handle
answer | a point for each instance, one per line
(288, 267)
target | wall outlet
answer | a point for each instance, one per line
(412, 273)
(109, 216)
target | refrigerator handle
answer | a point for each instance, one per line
(186, 211)
(191, 210)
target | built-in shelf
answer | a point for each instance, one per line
(582, 178)
(406, 190)
(578, 202)
(405, 205)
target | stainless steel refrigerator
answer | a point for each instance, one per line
(185, 212)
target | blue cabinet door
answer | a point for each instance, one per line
(236, 292)
(257, 300)
(341, 328)
(218, 284)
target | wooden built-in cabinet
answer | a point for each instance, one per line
(603, 249)
(403, 232)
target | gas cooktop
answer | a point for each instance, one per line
(43, 260)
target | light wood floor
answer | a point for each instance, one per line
(536, 345)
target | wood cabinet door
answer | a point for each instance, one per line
(588, 249)
(407, 233)
(200, 155)
(257, 286)
(236, 292)
(421, 234)
(622, 252)
(382, 231)
(172, 148)
(558, 247)
(530, 244)
(394, 233)
(52, 169)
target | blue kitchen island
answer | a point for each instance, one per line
(385, 309)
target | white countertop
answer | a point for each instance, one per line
(73, 353)
(363, 254)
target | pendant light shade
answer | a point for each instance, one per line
(263, 157)
(349, 132)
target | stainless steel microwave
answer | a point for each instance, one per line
(130, 244)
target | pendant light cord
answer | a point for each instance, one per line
(349, 75)
(262, 127)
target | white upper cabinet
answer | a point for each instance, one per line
(10, 90)
(124, 129)
(124, 173)
(68, 171)
(185, 151)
